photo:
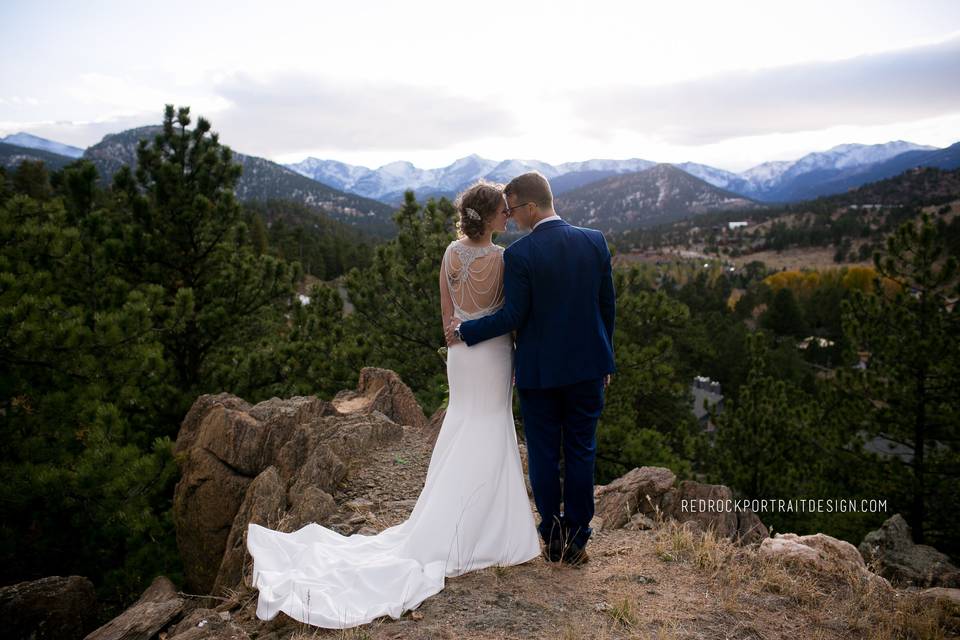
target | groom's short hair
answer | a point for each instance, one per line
(531, 187)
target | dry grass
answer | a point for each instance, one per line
(622, 612)
(578, 629)
(843, 604)
(706, 551)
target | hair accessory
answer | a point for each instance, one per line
(471, 213)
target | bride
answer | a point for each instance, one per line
(473, 511)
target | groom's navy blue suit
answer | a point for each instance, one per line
(559, 297)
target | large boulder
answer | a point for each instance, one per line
(892, 550)
(635, 498)
(159, 606)
(207, 624)
(48, 609)
(201, 406)
(382, 390)
(640, 490)
(820, 553)
(691, 502)
(277, 463)
(941, 593)
(264, 503)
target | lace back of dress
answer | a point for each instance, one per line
(475, 279)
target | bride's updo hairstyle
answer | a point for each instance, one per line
(477, 205)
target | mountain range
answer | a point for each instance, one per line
(835, 170)
(662, 193)
(261, 180)
(607, 194)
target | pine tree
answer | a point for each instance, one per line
(784, 316)
(646, 418)
(772, 442)
(259, 234)
(908, 329)
(84, 461)
(182, 229)
(397, 299)
(32, 179)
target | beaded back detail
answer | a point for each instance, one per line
(475, 278)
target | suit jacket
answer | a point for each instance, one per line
(559, 297)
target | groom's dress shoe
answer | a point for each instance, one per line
(575, 555)
(553, 550)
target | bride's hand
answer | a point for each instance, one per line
(448, 332)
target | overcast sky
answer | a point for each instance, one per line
(730, 84)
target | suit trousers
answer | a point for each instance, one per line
(563, 419)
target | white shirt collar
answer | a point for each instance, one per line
(548, 218)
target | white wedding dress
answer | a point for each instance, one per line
(473, 511)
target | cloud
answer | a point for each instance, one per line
(872, 89)
(289, 112)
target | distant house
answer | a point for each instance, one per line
(706, 391)
(734, 225)
(886, 447)
(823, 343)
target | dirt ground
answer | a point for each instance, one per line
(668, 583)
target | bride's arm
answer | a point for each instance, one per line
(446, 304)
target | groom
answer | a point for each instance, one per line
(558, 296)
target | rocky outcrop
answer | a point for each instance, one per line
(942, 593)
(277, 464)
(892, 550)
(636, 498)
(263, 503)
(640, 490)
(50, 608)
(684, 504)
(157, 607)
(208, 624)
(382, 390)
(821, 553)
(352, 467)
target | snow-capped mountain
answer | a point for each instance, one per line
(35, 142)
(717, 177)
(844, 156)
(787, 181)
(507, 169)
(388, 182)
(814, 174)
(617, 166)
(336, 174)
(766, 175)
(819, 173)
